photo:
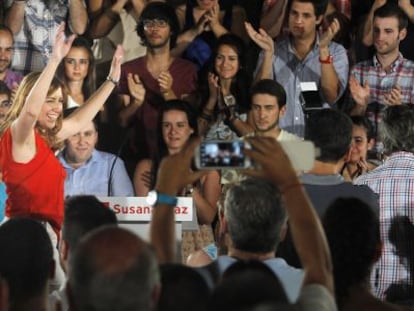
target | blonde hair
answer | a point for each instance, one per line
(20, 99)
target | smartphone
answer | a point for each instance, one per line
(214, 154)
(229, 154)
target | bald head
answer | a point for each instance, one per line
(113, 269)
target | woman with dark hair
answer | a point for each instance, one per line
(362, 142)
(224, 114)
(202, 22)
(177, 124)
(77, 72)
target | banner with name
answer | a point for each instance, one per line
(137, 208)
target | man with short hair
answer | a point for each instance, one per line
(388, 78)
(113, 269)
(303, 56)
(394, 182)
(148, 81)
(90, 171)
(34, 24)
(83, 214)
(26, 263)
(10, 77)
(5, 100)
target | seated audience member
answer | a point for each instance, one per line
(113, 269)
(26, 263)
(317, 291)
(90, 171)
(238, 289)
(7, 75)
(176, 125)
(387, 78)
(82, 215)
(202, 23)
(353, 233)
(5, 101)
(363, 140)
(224, 92)
(394, 182)
(182, 289)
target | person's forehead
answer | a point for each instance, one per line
(386, 22)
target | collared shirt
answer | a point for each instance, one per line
(12, 78)
(93, 177)
(33, 43)
(290, 72)
(394, 182)
(381, 83)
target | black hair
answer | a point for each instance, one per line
(270, 87)
(331, 131)
(353, 232)
(364, 122)
(163, 11)
(4, 89)
(26, 259)
(319, 6)
(83, 213)
(390, 9)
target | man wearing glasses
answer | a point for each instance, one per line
(148, 81)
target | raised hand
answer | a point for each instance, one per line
(115, 71)
(165, 81)
(261, 38)
(359, 93)
(136, 88)
(62, 45)
(213, 86)
(329, 33)
(394, 96)
(214, 14)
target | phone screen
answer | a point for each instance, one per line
(222, 154)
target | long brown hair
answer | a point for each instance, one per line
(20, 99)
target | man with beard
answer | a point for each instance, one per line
(10, 77)
(148, 81)
(301, 57)
(388, 78)
(34, 24)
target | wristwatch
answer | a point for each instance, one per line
(154, 197)
(328, 60)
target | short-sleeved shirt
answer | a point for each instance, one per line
(33, 43)
(290, 72)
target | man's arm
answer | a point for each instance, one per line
(173, 174)
(15, 16)
(307, 232)
(330, 83)
(408, 8)
(78, 17)
(266, 43)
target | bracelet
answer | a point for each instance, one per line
(290, 187)
(110, 79)
(111, 15)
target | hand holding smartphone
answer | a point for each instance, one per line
(215, 155)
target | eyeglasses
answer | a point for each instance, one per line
(151, 23)
(5, 104)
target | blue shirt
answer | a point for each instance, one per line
(3, 198)
(290, 71)
(93, 177)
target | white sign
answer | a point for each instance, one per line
(137, 208)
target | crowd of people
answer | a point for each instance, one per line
(112, 98)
